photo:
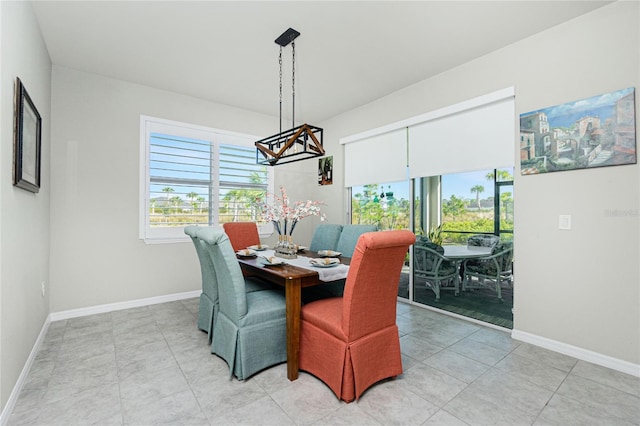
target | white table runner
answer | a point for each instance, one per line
(325, 274)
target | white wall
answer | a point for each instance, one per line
(580, 288)
(96, 256)
(24, 217)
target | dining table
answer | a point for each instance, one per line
(459, 253)
(293, 275)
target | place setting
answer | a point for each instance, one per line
(248, 252)
(325, 262)
(272, 261)
(329, 253)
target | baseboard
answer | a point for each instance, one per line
(543, 342)
(100, 309)
(17, 388)
(579, 353)
(75, 313)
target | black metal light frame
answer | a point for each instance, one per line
(298, 143)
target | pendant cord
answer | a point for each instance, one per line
(293, 84)
(280, 63)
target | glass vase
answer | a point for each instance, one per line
(285, 247)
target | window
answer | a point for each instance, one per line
(192, 175)
(469, 203)
(385, 205)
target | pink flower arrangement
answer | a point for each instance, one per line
(285, 216)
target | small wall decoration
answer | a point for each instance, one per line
(594, 132)
(26, 144)
(325, 171)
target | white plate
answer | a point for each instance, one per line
(329, 253)
(259, 247)
(246, 253)
(319, 265)
(326, 262)
(272, 261)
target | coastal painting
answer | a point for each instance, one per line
(594, 132)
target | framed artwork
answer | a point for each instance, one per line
(594, 132)
(27, 141)
(325, 171)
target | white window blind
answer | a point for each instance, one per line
(379, 158)
(475, 134)
(472, 139)
(194, 175)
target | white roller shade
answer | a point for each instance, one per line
(375, 159)
(477, 138)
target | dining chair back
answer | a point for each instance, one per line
(352, 342)
(349, 237)
(483, 240)
(490, 271)
(325, 237)
(242, 234)
(250, 329)
(430, 265)
(208, 309)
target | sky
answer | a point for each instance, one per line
(459, 184)
(603, 106)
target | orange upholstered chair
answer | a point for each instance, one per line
(352, 342)
(242, 234)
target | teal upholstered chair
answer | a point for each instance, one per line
(250, 329)
(209, 297)
(349, 237)
(490, 271)
(325, 237)
(208, 310)
(430, 264)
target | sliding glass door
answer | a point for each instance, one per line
(462, 205)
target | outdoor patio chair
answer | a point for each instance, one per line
(430, 264)
(491, 271)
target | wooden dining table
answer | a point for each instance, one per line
(293, 279)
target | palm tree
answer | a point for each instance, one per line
(153, 206)
(477, 190)
(168, 190)
(505, 202)
(192, 196)
(200, 201)
(503, 175)
(176, 201)
(241, 202)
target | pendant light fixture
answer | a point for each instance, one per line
(298, 143)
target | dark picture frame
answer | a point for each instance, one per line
(325, 170)
(27, 141)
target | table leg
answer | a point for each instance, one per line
(293, 303)
(459, 281)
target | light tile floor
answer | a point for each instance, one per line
(151, 365)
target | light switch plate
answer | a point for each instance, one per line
(564, 222)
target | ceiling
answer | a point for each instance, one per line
(349, 53)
